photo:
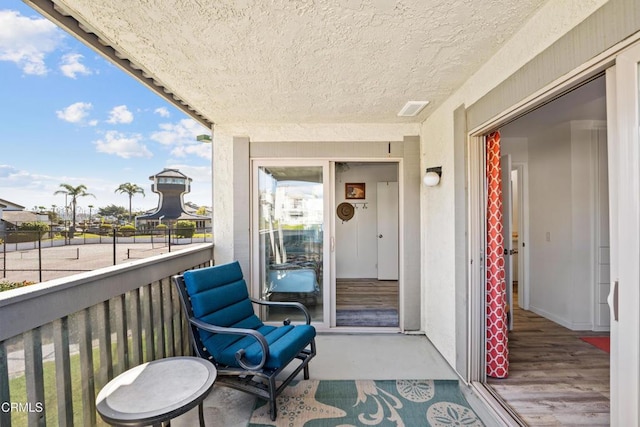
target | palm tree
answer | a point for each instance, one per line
(74, 193)
(131, 190)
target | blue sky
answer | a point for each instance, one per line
(69, 116)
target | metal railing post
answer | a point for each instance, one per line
(39, 256)
(4, 256)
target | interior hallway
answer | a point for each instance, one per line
(555, 378)
(343, 356)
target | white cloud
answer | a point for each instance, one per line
(26, 41)
(71, 65)
(199, 149)
(120, 114)
(183, 131)
(181, 136)
(7, 171)
(26, 188)
(162, 112)
(122, 145)
(75, 113)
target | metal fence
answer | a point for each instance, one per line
(32, 256)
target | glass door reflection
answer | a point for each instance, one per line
(290, 223)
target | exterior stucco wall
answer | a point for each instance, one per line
(440, 230)
(231, 200)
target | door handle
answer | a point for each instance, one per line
(612, 300)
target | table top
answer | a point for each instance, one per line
(156, 391)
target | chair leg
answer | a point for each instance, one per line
(306, 372)
(274, 410)
(312, 354)
(272, 398)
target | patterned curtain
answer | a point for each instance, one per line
(497, 348)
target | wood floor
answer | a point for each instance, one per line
(555, 379)
(362, 294)
(353, 295)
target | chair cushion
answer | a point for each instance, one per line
(219, 297)
(284, 343)
(212, 277)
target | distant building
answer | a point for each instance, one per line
(12, 215)
(5, 207)
(171, 185)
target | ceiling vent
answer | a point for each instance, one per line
(412, 108)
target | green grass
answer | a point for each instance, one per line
(5, 286)
(18, 391)
(88, 235)
(202, 235)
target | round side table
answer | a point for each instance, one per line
(157, 391)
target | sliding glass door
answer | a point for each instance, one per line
(289, 243)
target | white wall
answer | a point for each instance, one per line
(356, 239)
(564, 167)
(517, 147)
(550, 222)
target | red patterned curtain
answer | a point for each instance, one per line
(497, 349)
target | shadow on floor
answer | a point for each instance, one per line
(341, 356)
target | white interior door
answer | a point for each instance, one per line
(387, 209)
(521, 249)
(623, 100)
(507, 210)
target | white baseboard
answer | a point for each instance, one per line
(574, 326)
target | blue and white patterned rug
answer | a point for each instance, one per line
(346, 403)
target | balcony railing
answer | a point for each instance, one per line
(61, 341)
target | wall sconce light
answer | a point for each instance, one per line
(432, 176)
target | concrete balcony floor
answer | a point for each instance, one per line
(343, 356)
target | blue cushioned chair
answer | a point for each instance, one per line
(248, 354)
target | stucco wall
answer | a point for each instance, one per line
(440, 230)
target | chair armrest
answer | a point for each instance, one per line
(293, 304)
(238, 331)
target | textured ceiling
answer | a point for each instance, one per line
(305, 61)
